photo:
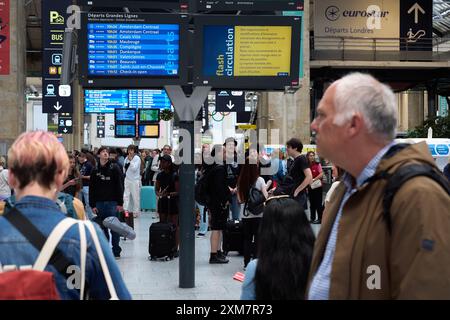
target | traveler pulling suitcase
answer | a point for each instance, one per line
(233, 239)
(162, 241)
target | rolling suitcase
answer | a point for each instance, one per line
(233, 238)
(162, 241)
(148, 198)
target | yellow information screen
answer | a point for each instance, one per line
(262, 50)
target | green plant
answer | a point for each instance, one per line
(440, 126)
(166, 114)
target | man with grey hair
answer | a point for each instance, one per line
(358, 254)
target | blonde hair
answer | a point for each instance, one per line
(2, 161)
(37, 156)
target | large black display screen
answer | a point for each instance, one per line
(118, 46)
(248, 52)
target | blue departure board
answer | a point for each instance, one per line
(149, 99)
(105, 101)
(125, 131)
(125, 115)
(130, 50)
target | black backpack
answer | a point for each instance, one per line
(255, 202)
(400, 176)
(202, 188)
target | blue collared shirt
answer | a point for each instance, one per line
(320, 286)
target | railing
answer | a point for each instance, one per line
(379, 49)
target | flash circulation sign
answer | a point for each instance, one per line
(247, 52)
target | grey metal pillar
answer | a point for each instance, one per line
(432, 103)
(187, 109)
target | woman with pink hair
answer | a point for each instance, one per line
(38, 165)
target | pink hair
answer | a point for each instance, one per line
(37, 156)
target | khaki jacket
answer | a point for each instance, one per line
(413, 262)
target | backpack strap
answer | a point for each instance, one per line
(52, 242)
(37, 239)
(403, 174)
(101, 257)
(400, 176)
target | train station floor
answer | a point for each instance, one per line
(159, 280)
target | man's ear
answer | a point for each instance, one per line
(355, 125)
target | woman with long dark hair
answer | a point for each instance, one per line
(250, 177)
(72, 184)
(286, 243)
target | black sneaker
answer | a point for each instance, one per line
(176, 254)
(217, 259)
(222, 255)
(117, 256)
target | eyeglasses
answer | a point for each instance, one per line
(276, 197)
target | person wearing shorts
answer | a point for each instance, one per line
(218, 206)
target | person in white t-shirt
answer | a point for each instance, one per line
(5, 189)
(249, 177)
(131, 196)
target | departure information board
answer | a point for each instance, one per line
(149, 99)
(125, 115)
(125, 131)
(105, 101)
(119, 49)
(132, 50)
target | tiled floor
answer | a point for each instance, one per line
(160, 280)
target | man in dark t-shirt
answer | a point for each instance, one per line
(298, 176)
(299, 171)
